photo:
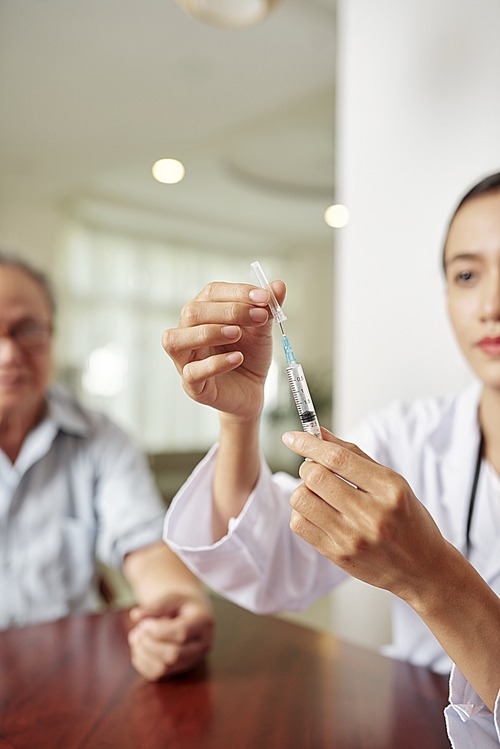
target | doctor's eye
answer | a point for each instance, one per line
(465, 277)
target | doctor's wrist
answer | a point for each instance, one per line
(439, 592)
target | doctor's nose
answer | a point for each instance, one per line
(490, 302)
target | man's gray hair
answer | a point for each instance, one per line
(11, 260)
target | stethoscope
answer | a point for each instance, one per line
(473, 492)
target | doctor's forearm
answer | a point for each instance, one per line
(237, 470)
(463, 612)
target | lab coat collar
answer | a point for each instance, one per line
(454, 442)
(456, 435)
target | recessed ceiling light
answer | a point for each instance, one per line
(168, 171)
(337, 216)
(229, 14)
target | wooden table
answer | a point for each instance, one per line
(268, 684)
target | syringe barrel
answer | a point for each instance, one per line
(303, 400)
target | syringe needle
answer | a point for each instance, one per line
(294, 371)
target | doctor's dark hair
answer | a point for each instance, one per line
(486, 186)
(10, 260)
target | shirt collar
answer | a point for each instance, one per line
(63, 414)
(66, 413)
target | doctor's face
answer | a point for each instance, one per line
(25, 352)
(472, 262)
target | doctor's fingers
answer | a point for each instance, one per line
(313, 534)
(225, 313)
(334, 538)
(185, 344)
(219, 291)
(345, 542)
(341, 458)
(308, 505)
(389, 501)
(334, 490)
(198, 376)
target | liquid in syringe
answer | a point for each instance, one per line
(300, 391)
(294, 371)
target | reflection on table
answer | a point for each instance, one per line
(268, 684)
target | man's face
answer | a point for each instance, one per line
(25, 353)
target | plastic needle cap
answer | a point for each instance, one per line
(276, 310)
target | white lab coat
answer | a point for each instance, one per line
(261, 565)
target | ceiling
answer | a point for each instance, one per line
(92, 93)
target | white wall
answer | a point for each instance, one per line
(418, 122)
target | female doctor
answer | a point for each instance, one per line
(439, 554)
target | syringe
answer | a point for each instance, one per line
(300, 391)
(294, 371)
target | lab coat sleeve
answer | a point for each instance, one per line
(260, 564)
(469, 723)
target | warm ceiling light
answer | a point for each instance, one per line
(337, 216)
(168, 171)
(229, 14)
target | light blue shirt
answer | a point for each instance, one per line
(79, 492)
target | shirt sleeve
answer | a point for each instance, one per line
(469, 723)
(130, 511)
(260, 564)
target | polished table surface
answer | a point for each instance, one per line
(268, 684)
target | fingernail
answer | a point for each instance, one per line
(258, 315)
(231, 331)
(259, 296)
(235, 358)
(288, 438)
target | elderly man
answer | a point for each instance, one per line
(73, 489)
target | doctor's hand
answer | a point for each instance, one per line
(377, 530)
(171, 638)
(222, 347)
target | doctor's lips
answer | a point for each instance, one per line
(490, 346)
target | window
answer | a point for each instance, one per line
(117, 296)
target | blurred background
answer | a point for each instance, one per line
(93, 94)
(391, 109)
